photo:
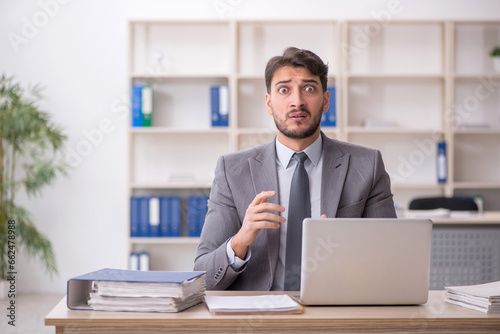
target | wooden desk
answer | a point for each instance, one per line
(435, 316)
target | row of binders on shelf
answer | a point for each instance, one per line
(142, 106)
(161, 216)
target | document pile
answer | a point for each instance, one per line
(138, 291)
(264, 304)
(481, 297)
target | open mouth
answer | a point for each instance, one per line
(297, 116)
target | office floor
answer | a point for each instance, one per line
(31, 310)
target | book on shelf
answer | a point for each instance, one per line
(142, 105)
(481, 297)
(261, 304)
(175, 216)
(136, 291)
(196, 210)
(154, 217)
(329, 117)
(219, 105)
(144, 216)
(136, 105)
(441, 162)
(134, 216)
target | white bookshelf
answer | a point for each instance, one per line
(476, 111)
(410, 73)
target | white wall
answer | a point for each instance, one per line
(78, 51)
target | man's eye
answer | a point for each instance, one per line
(309, 89)
(283, 90)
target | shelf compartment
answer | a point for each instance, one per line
(183, 103)
(174, 48)
(403, 101)
(409, 159)
(260, 41)
(477, 158)
(473, 43)
(165, 158)
(396, 48)
(477, 103)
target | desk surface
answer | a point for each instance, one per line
(435, 316)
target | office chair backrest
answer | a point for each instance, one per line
(451, 203)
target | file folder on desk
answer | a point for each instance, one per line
(80, 287)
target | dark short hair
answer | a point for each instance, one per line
(297, 58)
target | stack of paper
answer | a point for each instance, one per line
(481, 297)
(139, 291)
(278, 304)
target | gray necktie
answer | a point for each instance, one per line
(299, 208)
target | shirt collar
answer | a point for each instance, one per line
(313, 152)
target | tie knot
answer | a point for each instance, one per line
(300, 157)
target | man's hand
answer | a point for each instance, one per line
(256, 218)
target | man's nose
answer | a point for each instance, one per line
(297, 100)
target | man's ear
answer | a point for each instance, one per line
(326, 100)
(268, 104)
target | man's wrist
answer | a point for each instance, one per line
(235, 262)
(240, 250)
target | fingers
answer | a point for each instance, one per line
(262, 197)
(323, 216)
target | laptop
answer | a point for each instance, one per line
(365, 261)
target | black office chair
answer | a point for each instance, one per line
(450, 203)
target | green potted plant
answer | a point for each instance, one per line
(29, 147)
(495, 53)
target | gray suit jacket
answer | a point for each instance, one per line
(354, 184)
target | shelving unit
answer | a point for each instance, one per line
(476, 118)
(413, 74)
(396, 74)
(182, 60)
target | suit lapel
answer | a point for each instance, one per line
(265, 177)
(335, 165)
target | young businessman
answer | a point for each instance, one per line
(244, 243)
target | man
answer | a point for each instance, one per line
(244, 243)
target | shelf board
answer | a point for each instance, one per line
(166, 76)
(477, 131)
(477, 185)
(172, 185)
(259, 76)
(165, 240)
(396, 186)
(389, 130)
(394, 76)
(243, 76)
(477, 76)
(171, 130)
